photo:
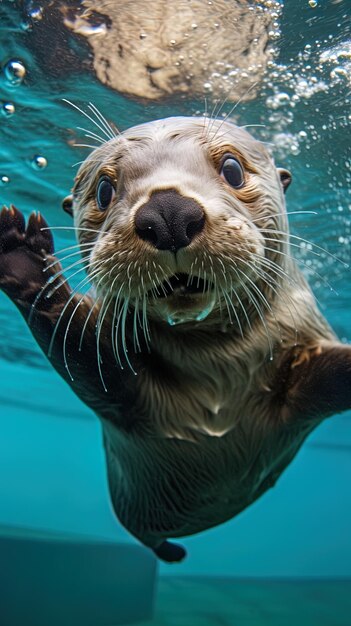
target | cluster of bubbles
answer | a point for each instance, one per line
(227, 76)
(320, 69)
(14, 73)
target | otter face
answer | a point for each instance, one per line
(172, 217)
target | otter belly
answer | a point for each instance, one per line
(171, 488)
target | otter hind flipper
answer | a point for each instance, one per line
(170, 552)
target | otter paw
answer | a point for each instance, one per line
(13, 232)
(22, 251)
(170, 552)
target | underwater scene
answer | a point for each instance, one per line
(175, 404)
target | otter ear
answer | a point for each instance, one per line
(67, 204)
(285, 177)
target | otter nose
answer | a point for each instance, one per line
(168, 220)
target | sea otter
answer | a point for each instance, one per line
(200, 346)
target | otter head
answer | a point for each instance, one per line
(180, 221)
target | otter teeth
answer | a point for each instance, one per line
(181, 284)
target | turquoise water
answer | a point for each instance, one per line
(268, 563)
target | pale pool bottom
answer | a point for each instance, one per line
(236, 602)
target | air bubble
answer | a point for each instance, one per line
(39, 162)
(35, 12)
(294, 149)
(4, 180)
(278, 100)
(14, 71)
(339, 73)
(7, 109)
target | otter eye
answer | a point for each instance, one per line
(232, 172)
(105, 193)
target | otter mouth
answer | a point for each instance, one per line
(182, 285)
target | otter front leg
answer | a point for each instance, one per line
(318, 381)
(32, 277)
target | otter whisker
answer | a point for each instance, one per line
(226, 300)
(98, 327)
(216, 114)
(85, 325)
(268, 280)
(103, 120)
(130, 275)
(278, 270)
(232, 288)
(213, 280)
(274, 266)
(154, 283)
(119, 322)
(205, 120)
(75, 246)
(136, 342)
(91, 135)
(165, 276)
(101, 128)
(114, 339)
(123, 327)
(145, 324)
(258, 309)
(212, 117)
(205, 286)
(289, 256)
(61, 283)
(94, 137)
(283, 213)
(89, 316)
(231, 111)
(286, 297)
(113, 267)
(82, 283)
(160, 285)
(199, 276)
(63, 270)
(66, 335)
(53, 290)
(190, 275)
(294, 245)
(307, 241)
(85, 145)
(115, 279)
(75, 228)
(68, 256)
(230, 302)
(36, 300)
(261, 296)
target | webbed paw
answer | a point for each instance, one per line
(23, 251)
